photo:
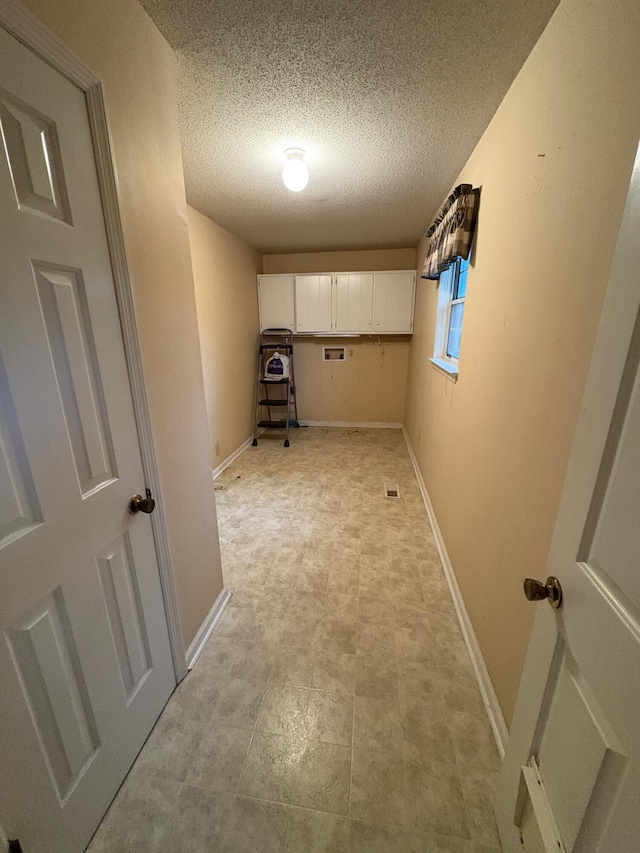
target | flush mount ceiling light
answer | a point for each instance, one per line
(295, 173)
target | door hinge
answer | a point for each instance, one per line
(14, 846)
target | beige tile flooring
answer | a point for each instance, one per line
(334, 708)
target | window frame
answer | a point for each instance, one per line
(447, 287)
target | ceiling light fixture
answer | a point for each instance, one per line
(295, 173)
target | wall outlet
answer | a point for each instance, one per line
(350, 353)
(217, 448)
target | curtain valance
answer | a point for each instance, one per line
(451, 234)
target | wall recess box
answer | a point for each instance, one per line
(334, 354)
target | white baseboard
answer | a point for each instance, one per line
(204, 632)
(352, 424)
(232, 458)
(489, 698)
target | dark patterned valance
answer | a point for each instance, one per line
(451, 234)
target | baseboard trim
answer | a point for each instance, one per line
(232, 458)
(489, 698)
(353, 424)
(204, 632)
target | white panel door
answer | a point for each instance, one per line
(573, 759)
(85, 662)
(276, 301)
(393, 297)
(313, 303)
(354, 302)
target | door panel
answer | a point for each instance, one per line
(354, 302)
(576, 714)
(613, 553)
(46, 660)
(126, 616)
(578, 749)
(68, 326)
(85, 661)
(313, 303)
(276, 298)
(393, 298)
(33, 157)
(19, 507)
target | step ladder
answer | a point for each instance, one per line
(276, 396)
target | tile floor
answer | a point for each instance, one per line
(334, 708)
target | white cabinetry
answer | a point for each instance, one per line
(354, 302)
(277, 302)
(313, 303)
(361, 303)
(393, 297)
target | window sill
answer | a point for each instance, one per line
(445, 368)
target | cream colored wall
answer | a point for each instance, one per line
(554, 166)
(370, 385)
(224, 271)
(358, 261)
(120, 45)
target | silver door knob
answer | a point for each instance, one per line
(551, 590)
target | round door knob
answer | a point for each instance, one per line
(140, 504)
(551, 590)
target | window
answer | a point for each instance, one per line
(452, 291)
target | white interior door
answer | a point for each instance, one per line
(354, 302)
(571, 777)
(85, 662)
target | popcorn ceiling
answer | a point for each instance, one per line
(388, 99)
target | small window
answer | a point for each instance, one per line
(452, 292)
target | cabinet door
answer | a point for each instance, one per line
(354, 302)
(393, 295)
(276, 300)
(313, 303)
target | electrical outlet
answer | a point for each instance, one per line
(217, 450)
(350, 353)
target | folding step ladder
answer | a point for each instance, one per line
(283, 403)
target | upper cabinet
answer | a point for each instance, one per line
(362, 303)
(314, 303)
(276, 300)
(393, 298)
(354, 302)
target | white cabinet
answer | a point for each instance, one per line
(314, 303)
(277, 302)
(393, 297)
(354, 302)
(361, 303)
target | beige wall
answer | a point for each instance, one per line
(358, 261)
(554, 167)
(121, 46)
(370, 385)
(224, 271)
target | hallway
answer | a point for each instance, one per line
(334, 708)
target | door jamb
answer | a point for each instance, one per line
(21, 23)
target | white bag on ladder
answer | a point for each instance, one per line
(277, 367)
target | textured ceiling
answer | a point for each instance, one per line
(388, 99)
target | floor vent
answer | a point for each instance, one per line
(391, 490)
